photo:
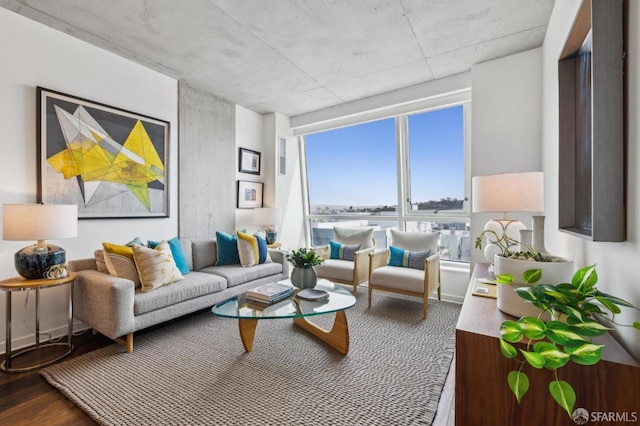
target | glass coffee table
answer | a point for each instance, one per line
(249, 313)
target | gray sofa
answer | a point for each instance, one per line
(112, 306)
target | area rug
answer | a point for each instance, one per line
(195, 371)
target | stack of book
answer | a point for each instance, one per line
(270, 293)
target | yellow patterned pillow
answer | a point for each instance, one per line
(119, 262)
(156, 267)
(247, 249)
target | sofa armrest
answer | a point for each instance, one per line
(104, 303)
(279, 256)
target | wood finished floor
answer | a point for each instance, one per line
(27, 399)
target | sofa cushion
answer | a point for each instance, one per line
(227, 249)
(247, 249)
(194, 285)
(362, 236)
(343, 251)
(415, 241)
(119, 262)
(205, 253)
(235, 275)
(407, 258)
(177, 252)
(101, 265)
(156, 267)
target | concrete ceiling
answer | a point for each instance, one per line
(298, 56)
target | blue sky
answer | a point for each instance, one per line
(356, 165)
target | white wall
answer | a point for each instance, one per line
(506, 123)
(35, 55)
(249, 134)
(615, 261)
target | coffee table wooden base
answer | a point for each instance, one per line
(337, 337)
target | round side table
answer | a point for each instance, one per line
(20, 284)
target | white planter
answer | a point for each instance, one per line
(509, 302)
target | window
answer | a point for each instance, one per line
(406, 172)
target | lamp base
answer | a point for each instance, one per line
(508, 228)
(271, 236)
(32, 262)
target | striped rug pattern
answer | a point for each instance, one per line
(195, 371)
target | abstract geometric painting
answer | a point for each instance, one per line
(110, 162)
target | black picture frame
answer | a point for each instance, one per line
(111, 163)
(249, 161)
(250, 194)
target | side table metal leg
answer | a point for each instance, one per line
(7, 355)
(37, 318)
(70, 330)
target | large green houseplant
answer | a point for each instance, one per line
(554, 343)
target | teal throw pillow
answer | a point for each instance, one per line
(343, 251)
(177, 252)
(227, 249)
(263, 250)
(406, 258)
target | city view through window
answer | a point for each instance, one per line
(354, 178)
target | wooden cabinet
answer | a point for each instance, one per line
(483, 396)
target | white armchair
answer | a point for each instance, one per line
(411, 266)
(351, 265)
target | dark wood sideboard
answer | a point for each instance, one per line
(483, 396)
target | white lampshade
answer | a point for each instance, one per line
(508, 192)
(25, 222)
(267, 216)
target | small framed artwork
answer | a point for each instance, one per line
(249, 194)
(110, 162)
(249, 161)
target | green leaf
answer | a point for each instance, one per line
(636, 324)
(585, 279)
(532, 276)
(507, 349)
(588, 327)
(563, 394)
(560, 333)
(511, 331)
(616, 300)
(591, 308)
(530, 294)
(534, 359)
(554, 357)
(504, 278)
(585, 353)
(532, 327)
(518, 383)
(571, 311)
(612, 307)
(551, 291)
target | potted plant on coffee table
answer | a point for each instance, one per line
(578, 312)
(303, 260)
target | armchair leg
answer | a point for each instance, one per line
(439, 294)
(369, 294)
(425, 306)
(355, 290)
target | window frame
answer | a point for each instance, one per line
(404, 213)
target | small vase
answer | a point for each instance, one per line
(538, 234)
(304, 277)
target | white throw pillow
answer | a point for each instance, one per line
(156, 267)
(415, 241)
(354, 236)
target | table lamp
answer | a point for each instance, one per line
(269, 218)
(507, 192)
(23, 222)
